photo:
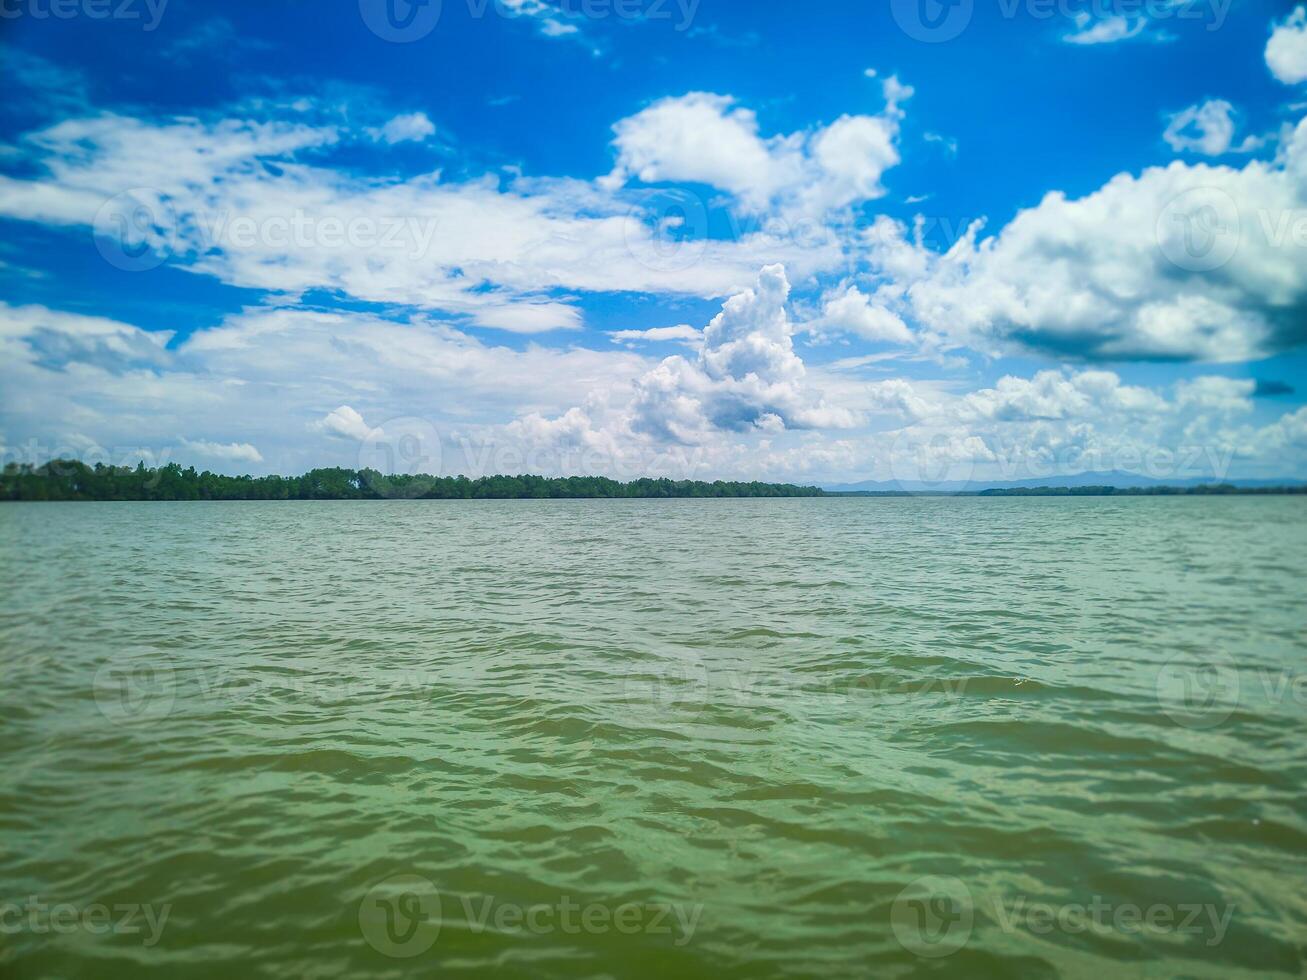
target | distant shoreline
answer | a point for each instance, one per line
(73, 480)
(1201, 490)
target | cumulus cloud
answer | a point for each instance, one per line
(1207, 128)
(529, 317)
(746, 375)
(682, 333)
(1286, 51)
(848, 310)
(304, 386)
(235, 452)
(344, 422)
(413, 126)
(746, 378)
(307, 387)
(1184, 262)
(53, 338)
(707, 138)
(1062, 422)
(1105, 30)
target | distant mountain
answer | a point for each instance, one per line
(1114, 478)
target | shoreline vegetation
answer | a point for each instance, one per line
(73, 480)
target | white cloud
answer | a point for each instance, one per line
(274, 378)
(234, 452)
(557, 28)
(745, 378)
(1207, 128)
(706, 138)
(254, 214)
(344, 422)
(1062, 422)
(1226, 395)
(1286, 51)
(413, 126)
(682, 333)
(529, 317)
(309, 387)
(849, 310)
(1105, 30)
(1186, 262)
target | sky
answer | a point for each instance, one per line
(911, 240)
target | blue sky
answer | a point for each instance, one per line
(903, 240)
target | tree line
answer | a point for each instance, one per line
(70, 479)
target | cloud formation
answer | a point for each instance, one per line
(266, 212)
(707, 138)
(1286, 51)
(1184, 262)
(746, 377)
(1208, 129)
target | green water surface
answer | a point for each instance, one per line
(654, 738)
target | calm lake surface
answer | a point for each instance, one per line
(637, 738)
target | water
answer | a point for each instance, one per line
(719, 738)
